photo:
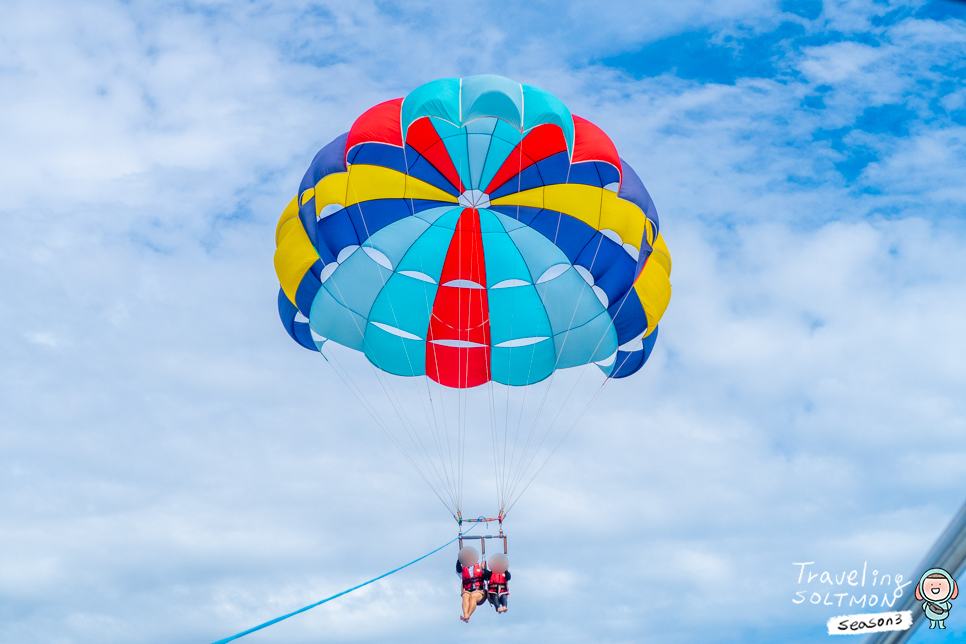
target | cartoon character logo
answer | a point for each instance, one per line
(936, 589)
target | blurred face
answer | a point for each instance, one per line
(498, 563)
(469, 556)
(936, 588)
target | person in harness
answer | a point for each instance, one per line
(472, 575)
(497, 574)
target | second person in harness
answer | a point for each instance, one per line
(497, 574)
(472, 575)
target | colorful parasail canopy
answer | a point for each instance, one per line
(474, 231)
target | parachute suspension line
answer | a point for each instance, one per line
(414, 434)
(502, 479)
(346, 379)
(436, 435)
(500, 455)
(493, 420)
(452, 475)
(430, 423)
(570, 429)
(521, 471)
(506, 414)
(449, 445)
(393, 400)
(331, 597)
(560, 442)
(546, 434)
(493, 428)
(579, 417)
(406, 422)
(496, 469)
(434, 424)
(507, 469)
(459, 394)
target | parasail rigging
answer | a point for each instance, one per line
(475, 263)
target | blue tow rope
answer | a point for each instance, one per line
(344, 592)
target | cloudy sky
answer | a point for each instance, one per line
(173, 468)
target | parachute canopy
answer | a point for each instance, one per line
(475, 230)
(473, 233)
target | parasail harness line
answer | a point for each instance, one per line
(328, 599)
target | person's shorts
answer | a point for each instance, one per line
(480, 591)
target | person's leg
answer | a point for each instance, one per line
(504, 598)
(467, 611)
(474, 600)
(942, 623)
(932, 623)
(494, 600)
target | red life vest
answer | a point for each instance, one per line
(473, 577)
(498, 583)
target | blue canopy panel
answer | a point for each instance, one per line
(381, 154)
(594, 173)
(569, 234)
(432, 215)
(633, 190)
(549, 171)
(329, 160)
(629, 362)
(426, 255)
(353, 225)
(307, 288)
(335, 233)
(299, 331)
(369, 217)
(606, 262)
(628, 317)
(420, 168)
(609, 267)
(523, 362)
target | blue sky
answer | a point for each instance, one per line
(174, 468)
